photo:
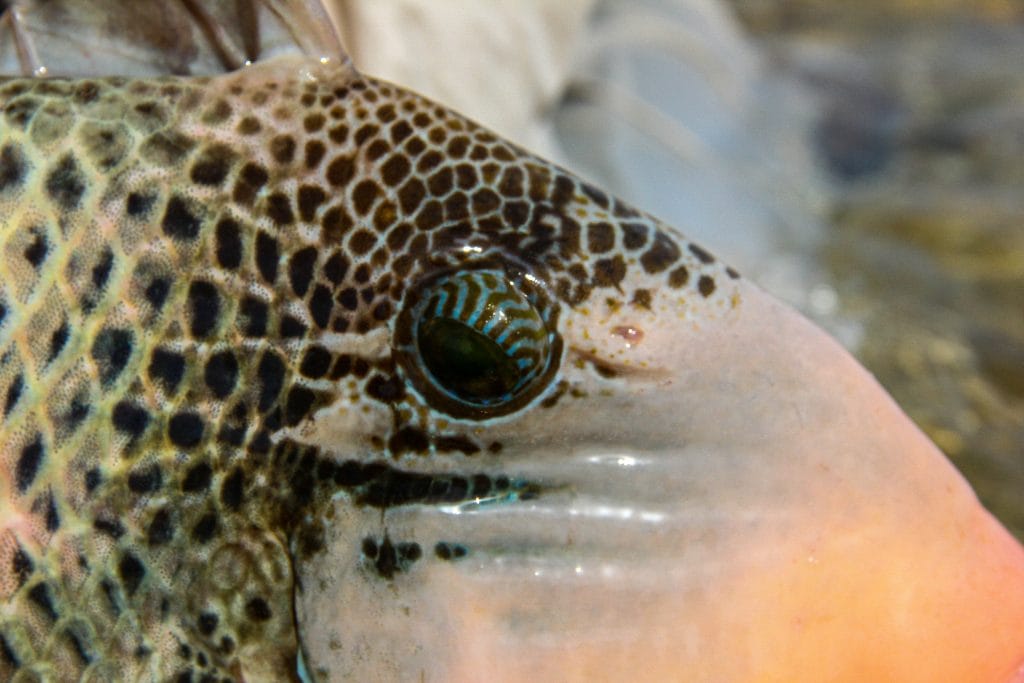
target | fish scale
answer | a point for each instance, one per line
(175, 251)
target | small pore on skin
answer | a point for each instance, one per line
(631, 335)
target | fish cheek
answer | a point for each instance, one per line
(358, 605)
(349, 425)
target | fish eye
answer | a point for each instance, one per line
(478, 343)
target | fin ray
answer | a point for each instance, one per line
(83, 38)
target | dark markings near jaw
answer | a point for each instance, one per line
(379, 485)
(387, 558)
(450, 551)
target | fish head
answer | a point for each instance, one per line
(580, 447)
(448, 411)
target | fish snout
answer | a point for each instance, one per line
(729, 499)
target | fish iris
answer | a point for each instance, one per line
(467, 363)
(477, 344)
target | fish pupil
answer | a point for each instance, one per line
(478, 343)
(466, 363)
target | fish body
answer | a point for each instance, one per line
(232, 434)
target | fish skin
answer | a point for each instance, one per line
(174, 250)
(159, 517)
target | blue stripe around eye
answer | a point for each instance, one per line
(487, 303)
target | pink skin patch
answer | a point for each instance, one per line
(631, 335)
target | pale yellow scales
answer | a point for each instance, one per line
(223, 441)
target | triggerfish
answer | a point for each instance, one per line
(306, 377)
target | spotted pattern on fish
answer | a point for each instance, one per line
(191, 269)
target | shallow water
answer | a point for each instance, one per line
(922, 139)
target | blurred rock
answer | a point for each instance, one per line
(1001, 358)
